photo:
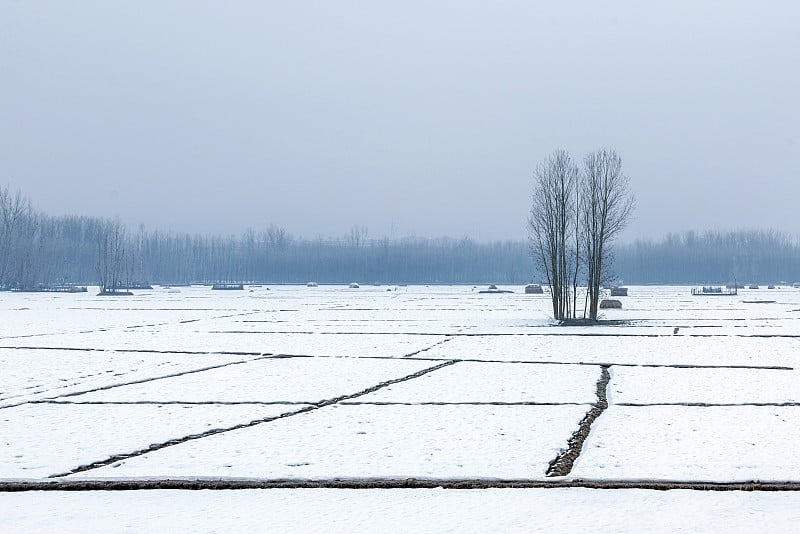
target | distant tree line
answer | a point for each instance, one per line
(37, 249)
(752, 256)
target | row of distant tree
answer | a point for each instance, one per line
(752, 256)
(37, 249)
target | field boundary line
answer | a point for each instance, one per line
(562, 464)
(139, 381)
(214, 483)
(539, 362)
(191, 437)
(708, 404)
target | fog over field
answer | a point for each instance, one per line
(414, 119)
(399, 267)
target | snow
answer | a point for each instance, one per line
(39, 440)
(84, 379)
(493, 382)
(36, 374)
(190, 338)
(574, 510)
(624, 349)
(648, 385)
(373, 441)
(309, 380)
(721, 443)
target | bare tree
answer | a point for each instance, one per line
(16, 216)
(278, 238)
(606, 208)
(579, 235)
(27, 251)
(552, 226)
(357, 237)
(112, 265)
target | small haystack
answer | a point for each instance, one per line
(534, 289)
(610, 303)
(493, 290)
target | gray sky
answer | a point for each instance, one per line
(411, 118)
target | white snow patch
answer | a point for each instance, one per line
(623, 349)
(39, 440)
(649, 385)
(374, 441)
(574, 510)
(497, 382)
(268, 380)
(739, 443)
(36, 374)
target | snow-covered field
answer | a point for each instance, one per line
(575, 510)
(394, 383)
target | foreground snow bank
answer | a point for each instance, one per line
(438, 510)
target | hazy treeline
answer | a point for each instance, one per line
(756, 256)
(37, 249)
(40, 249)
(256, 257)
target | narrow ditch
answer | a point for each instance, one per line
(160, 377)
(9, 486)
(171, 402)
(132, 351)
(133, 382)
(461, 403)
(710, 404)
(562, 464)
(157, 446)
(426, 349)
(415, 356)
(343, 403)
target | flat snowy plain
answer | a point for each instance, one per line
(381, 384)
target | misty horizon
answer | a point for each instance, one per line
(418, 119)
(373, 236)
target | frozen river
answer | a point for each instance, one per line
(381, 384)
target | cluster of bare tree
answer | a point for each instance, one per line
(19, 239)
(576, 213)
(116, 258)
(38, 250)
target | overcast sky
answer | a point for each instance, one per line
(410, 118)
